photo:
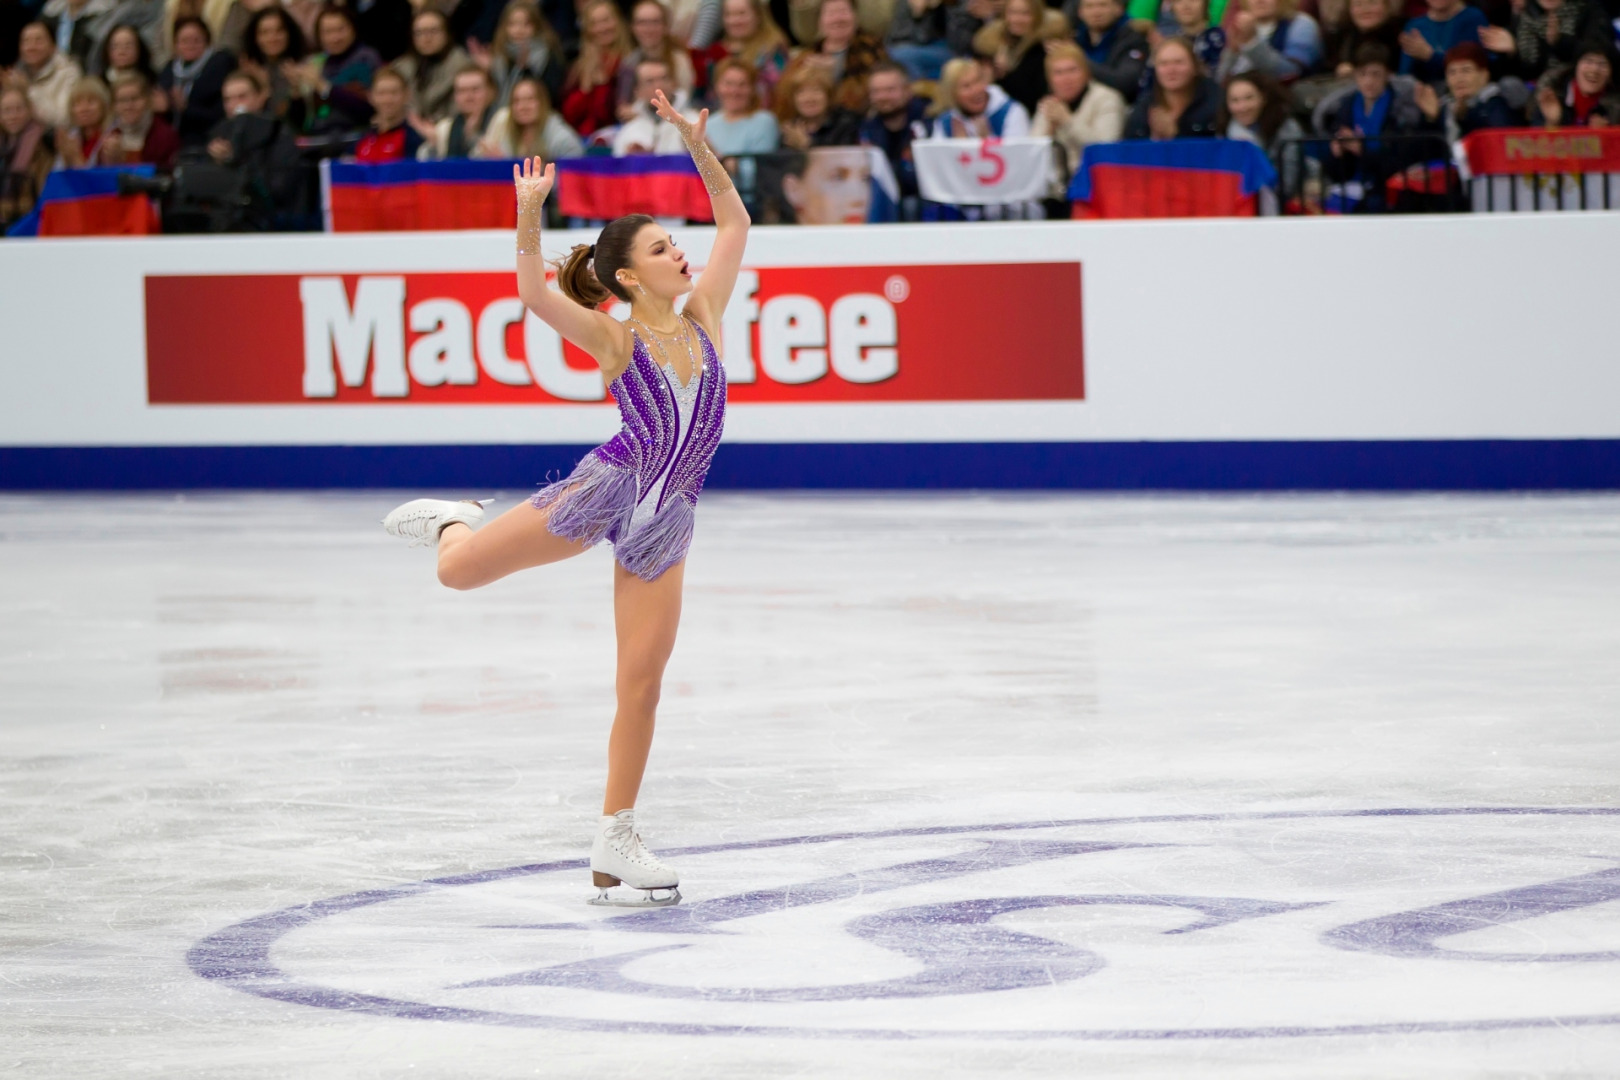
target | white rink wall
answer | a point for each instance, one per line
(1464, 327)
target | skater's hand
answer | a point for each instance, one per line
(533, 182)
(689, 131)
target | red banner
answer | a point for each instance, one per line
(1124, 191)
(1518, 151)
(800, 334)
(100, 215)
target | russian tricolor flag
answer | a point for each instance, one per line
(602, 188)
(414, 195)
(86, 202)
(1174, 178)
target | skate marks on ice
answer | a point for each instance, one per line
(1191, 926)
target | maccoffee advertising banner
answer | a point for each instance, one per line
(902, 333)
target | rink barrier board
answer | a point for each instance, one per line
(1356, 465)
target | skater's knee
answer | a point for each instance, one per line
(456, 571)
(640, 690)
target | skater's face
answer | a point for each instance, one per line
(657, 266)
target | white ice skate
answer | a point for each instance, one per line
(421, 520)
(618, 856)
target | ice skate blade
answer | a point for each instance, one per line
(650, 899)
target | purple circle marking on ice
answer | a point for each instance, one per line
(239, 955)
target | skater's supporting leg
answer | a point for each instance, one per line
(646, 615)
(516, 540)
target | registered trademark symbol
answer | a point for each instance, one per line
(897, 288)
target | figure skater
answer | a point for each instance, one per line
(639, 490)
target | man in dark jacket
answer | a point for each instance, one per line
(896, 117)
(1116, 51)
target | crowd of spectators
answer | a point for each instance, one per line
(262, 87)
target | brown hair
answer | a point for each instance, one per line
(767, 35)
(787, 109)
(588, 275)
(388, 71)
(1186, 46)
(514, 131)
(732, 63)
(1274, 112)
(243, 75)
(542, 28)
(592, 67)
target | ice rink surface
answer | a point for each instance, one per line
(967, 786)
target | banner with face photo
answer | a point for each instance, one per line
(826, 185)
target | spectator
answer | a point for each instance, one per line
(273, 49)
(78, 145)
(1364, 21)
(1181, 103)
(808, 114)
(753, 36)
(525, 44)
(49, 75)
(588, 102)
(1582, 95)
(1545, 34)
(430, 68)
(1079, 111)
(261, 148)
(123, 53)
(967, 105)
(1271, 37)
(646, 132)
(920, 34)
(844, 51)
(138, 136)
(336, 82)
(26, 151)
(873, 18)
(1189, 19)
(193, 83)
(473, 103)
(649, 27)
(897, 117)
(233, 28)
(1429, 37)
(1376, 108)
(742, 126)
(1472, 101)
(77, 26)
(150, 20)
(1015, 47)
(528, 126)
(391, 138)
(1256, 109)
(1116, 51)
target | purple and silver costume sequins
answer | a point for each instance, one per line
(639, 489)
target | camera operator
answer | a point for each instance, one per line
(261, 147)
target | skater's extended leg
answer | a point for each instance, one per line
(516, 540)
(646, 615)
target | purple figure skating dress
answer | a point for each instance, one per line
(639, 489)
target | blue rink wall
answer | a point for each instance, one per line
(1387, 465)
(1414, 353)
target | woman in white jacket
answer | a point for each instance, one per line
(1078, 112)
(529, 127)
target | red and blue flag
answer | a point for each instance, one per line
(1173, 178)
(86, 202)
(416, 195)
(603, 188)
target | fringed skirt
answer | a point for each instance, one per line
(598, 501)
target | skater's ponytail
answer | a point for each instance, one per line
(588, 275)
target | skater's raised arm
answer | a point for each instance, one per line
(588, 328)
(713, 290)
